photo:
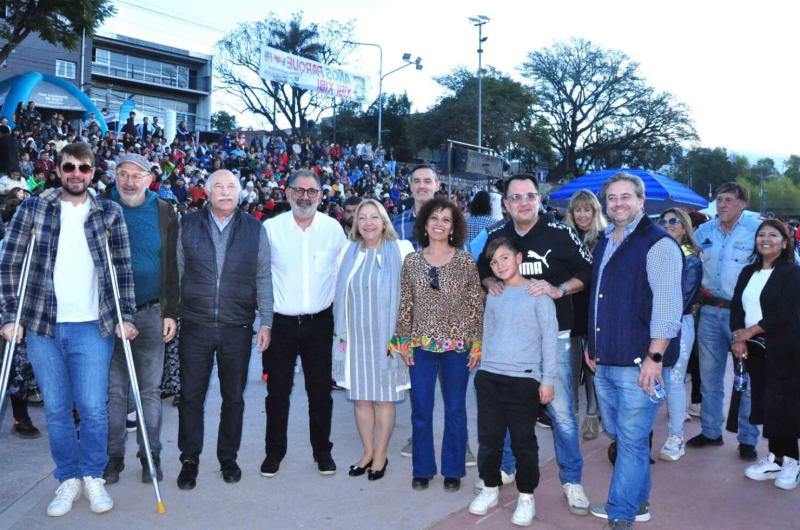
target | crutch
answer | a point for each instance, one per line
(126, 346)
(8, 355)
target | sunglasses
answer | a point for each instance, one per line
(670, 221)
(433, 273)
(69, 167)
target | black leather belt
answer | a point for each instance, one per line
(148, 304)
(304, 318)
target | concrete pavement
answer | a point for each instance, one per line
(704, 490)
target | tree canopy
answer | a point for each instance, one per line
(222, 121)
(238, 57)
(601, 111)
(59, 22)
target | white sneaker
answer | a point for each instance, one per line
(694, 410)
(67, 493)
(789, 477)
(577, 502)
(505, 480)
(764, 469)
(525, 511)
(99, 499)
(674, 448)
(486, 499)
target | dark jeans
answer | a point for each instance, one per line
(148, 358)
(781, 447)
(507, 403)
(454, 379)
(198, 345)
(311, 337)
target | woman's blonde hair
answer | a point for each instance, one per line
(686, 223)
(587, 198)
(388, 230)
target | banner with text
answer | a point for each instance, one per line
(282, 67)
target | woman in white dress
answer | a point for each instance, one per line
(365, 312)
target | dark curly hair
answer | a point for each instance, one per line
(459, 223)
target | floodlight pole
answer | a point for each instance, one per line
(479, 21)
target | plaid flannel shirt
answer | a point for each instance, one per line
(43, 214)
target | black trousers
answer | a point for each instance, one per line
(197, 348)
(781, 447)
(507, 404)
(311, 337)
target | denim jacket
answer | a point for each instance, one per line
(724, 256)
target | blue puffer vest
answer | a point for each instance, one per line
(619, 330)
(232, 302)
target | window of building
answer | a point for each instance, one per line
(65, 69)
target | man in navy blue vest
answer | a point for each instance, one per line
(634, 315)
(218, 270)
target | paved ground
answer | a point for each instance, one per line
(705, 490)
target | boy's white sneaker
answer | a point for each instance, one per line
(67, 493)
(486, 499)
(764, 469)
(525, 511)
(99, 499)
(789, 477)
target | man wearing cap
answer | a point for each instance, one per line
(153, 233)
(249, 194)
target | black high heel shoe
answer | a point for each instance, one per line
(377, 475)
(356, 471)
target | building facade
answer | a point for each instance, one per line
(111, 68)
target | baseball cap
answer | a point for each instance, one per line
(137, 160)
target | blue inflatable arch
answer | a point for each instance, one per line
(20, 87)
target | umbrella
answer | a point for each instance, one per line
(661, 192)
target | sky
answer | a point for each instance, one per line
(734, 63)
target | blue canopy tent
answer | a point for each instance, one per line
(46, 91)
(661, 192)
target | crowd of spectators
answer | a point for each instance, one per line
(262, 162)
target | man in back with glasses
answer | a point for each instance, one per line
(557, 264)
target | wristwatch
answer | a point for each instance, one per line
(562, 289)
(655, 356)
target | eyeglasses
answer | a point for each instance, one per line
(137, 177)
(311, 193)
(69, 167)
(519, 197)
(433, 273)
(670, 221)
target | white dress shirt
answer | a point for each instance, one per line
(74, 275)
(303, 263)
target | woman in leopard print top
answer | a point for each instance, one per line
(439, 329)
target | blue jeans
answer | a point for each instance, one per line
(714, 340)
(565, 425)
(454, 379)
(72, 368)
(676, 387)
(628, 416)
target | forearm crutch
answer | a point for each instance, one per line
(11, 346)
(126, 346)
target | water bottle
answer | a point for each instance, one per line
(658, 394)
(741, 379)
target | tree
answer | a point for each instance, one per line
(792, 168)
(704, 169)
(509, 123)
(238, 58)
(223, 122)
(600, 109)
(59, 22)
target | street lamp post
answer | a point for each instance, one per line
(478, 21)
(407, 58)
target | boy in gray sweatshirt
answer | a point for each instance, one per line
(516, 374)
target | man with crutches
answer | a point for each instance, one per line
(153, 233)
(68, 310)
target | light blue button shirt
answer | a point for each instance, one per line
(724, 256)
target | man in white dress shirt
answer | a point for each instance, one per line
(304, 245)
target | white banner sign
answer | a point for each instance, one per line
(300, 72)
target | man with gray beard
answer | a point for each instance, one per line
(304, 246)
